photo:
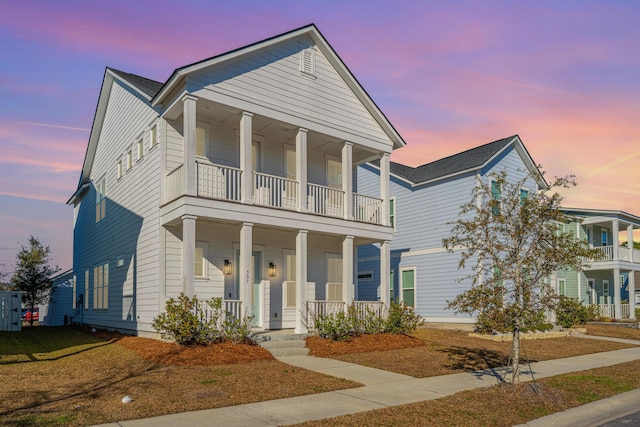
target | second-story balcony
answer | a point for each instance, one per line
(623, 254)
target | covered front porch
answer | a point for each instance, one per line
(281, 276)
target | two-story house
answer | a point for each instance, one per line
(423, 202)
(609, 282)
(232, 179)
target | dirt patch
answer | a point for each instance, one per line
(363, 344)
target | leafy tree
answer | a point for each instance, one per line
(514, 242)
(636, 245)
(33, 274)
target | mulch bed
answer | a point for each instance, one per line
(322, 347)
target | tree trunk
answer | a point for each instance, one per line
(515, 349)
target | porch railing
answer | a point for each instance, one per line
(175, 183)
(219, 182)
(325, 200)
(625, 255)
(362, 307)
(367, 208)
(233, 308)
(609, 310)
(275, 191)
(317, 308)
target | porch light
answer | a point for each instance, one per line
(272, 269)
(227, 267)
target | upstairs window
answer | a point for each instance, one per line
(334, 174)
(153, 137)
(496, 197)
(119, 168)
(129, 159)
(392, 212)
(140, 149)
(524, 194)
(201, 142)
(101, 192)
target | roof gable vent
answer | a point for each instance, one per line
(308, 61)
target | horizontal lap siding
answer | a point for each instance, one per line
(272, 78)
(174, 144)
(130, 227)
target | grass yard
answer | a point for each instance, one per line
(614, 331)
(62, 376)
(433, 352)
(502, 405)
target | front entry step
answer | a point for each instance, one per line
(283, 343)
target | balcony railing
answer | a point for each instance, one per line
(367, 208)
(219, 182)
(609, 311)
(274, 191)
(175, 183)
(623, 254)
(325, 200)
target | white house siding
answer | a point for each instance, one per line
(130, 229)
(422, 216)
(272, 79)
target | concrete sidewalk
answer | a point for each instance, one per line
(382, 389)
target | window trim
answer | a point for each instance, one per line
(86, 289)
(153, 135)
(393, 217)
(101, 286)
(401, 287)
(140, 148)
(327, 257)
(288, 281)
(496, 210)
(562, 287)
(205, 263)
(101, 197)
(206, 128)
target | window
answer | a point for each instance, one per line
(101, 190)
(119, 168)
(140, 149)
(73, 303)
(201, 259)
(496, 197)
(256, 156)
(334, 277)
(334, 173)
(201, 141)
(153, 137)
(129, 159)
(86, 289)
(308, 61)
(408, 286)
(101, 286)
(365, 276)
(562, 287)
(392, 297)
(289, 162)
(524, 194)
(392, 212)
(289, 279)
(605, 239)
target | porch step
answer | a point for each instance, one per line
(281, 344)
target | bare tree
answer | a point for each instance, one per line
(514, 241)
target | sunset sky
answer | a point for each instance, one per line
(450, 75)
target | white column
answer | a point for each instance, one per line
(301, 282)
(384, 187)
(385, 272)
(347, 270)
(188, 254)
(616, 241)
(630, 242)
(301, 168)
(616, 294)
(189, 151)
(632, 294)
(244, 269)
(245, 157)
(347, 179)
(579, 272)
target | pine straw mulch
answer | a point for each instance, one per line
(432, 352)
(614, 331)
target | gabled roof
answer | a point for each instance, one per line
(464, 162)
(147, 86)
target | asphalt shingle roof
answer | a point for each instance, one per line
(148, 86)
(470, 159)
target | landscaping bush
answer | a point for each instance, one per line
(187, 322)
(572, 312)
(341, 326)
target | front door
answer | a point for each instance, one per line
(592, 291)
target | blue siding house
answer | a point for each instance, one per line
(423, 202)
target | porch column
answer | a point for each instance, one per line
(615, 230)
(384, 187)
(301, 169)
(579, 272)
(301, 282)
(347, 179)
(189, 151)
(385, 272)
(244, 269)
(188, 254)
(630, 242)
(632, 295)
(245, 157)
(347, 270)
(616, 294)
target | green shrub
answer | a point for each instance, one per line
(187, 322)
(572, 312)
(402, 319)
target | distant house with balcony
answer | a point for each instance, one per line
(232, 179)
(423, 200)
(610, 282)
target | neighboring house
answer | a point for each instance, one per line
(611, 281)
(232, 179)
(423, 202)
(60, 302)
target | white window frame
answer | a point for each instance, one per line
(604, 232)
(562, 287)
(129, 158)
(204, 126)
(401, 287)
(333, 287)
(119, 168)
(204, 246)
(330, 158)
(393, 217)
(140, 148)
(101, 286)
(287, 173)
(101, 197)
(75, 292)
(606, 291)
(86, 289)
(288, 281)
(153, 136)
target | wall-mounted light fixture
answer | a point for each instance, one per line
(272, 269)
(227, 267)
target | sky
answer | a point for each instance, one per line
(450, 75)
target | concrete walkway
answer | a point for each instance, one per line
(382, 389)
